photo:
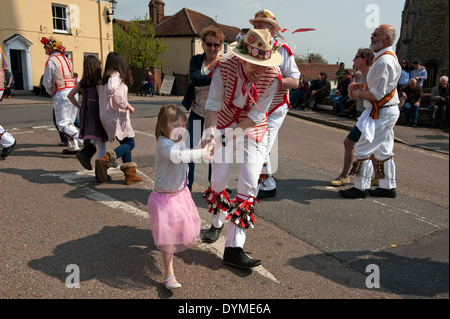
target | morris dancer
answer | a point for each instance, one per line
(242, 88)
(58, 82)
(290, 74)
(377, 122)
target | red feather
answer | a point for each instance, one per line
(304, 30)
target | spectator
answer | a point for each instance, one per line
(150, 83)
(418, 72)
(75, 78)
(440, 95)
(404, 76)
(340, 73)
(341, 92)
(319, 89)
(200, 68)
(412, 95)
(296, 98)
(9, 83)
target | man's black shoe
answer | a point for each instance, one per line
(235, 257)
(67, 152)
(383, 192)
(212, 234)
(266, 194)
(353, 193)
(7, 150)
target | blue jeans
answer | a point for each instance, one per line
(124, 150)
(195, 119)
(336, 99)
(411, 109)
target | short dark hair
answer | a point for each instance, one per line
(368, 54)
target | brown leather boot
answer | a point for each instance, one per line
(102, 164)
(129, 170)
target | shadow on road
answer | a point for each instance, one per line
(401, 275)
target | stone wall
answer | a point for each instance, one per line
(424, 36)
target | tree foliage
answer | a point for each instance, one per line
(136, 41)
(304, 58)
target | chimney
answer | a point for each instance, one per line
(156, 9)
(311, 58)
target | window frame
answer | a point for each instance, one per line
(65, 20)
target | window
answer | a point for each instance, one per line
(69, 55)
(85, 54)
(61, 19)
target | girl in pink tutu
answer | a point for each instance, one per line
(174, 219)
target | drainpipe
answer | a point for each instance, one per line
(100, 29)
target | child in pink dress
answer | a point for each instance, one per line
(174, 219)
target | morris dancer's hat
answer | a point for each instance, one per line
(53, 44)
(266, 16)
(257, 48)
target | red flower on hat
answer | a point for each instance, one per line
(44, 40)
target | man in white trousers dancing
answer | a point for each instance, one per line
(242, 88)
(58, 82)
(377, 122)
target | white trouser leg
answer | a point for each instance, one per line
(220, 171)
(275, 121)
(7, 139)
(235, 236)
(388, 182)
(363, 178)
(382, 147)
(218, 219)
(65, 115)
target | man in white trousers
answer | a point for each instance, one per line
(377, 121)
(290, 75)
(242, 88)
(58, 82)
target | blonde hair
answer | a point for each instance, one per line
(168, 113)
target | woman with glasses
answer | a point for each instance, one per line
(404, 77)
(197, 93)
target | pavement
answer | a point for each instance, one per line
(426, 138)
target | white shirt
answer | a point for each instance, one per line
(217, 93)
(381, 80)
(383, 77)
(171, 164)
(288, 68)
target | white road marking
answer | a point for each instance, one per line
(412, 214)
(71, 178)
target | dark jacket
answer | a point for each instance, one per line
(197, 79)
(322, 87)
(414, 94)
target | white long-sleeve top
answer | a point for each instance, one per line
(172, 164)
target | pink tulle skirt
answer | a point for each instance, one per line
(174, 220)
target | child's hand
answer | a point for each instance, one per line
(208, 150)
(131, 109)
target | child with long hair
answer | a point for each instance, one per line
(115, 116)
(174, 219)
(91, 128)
